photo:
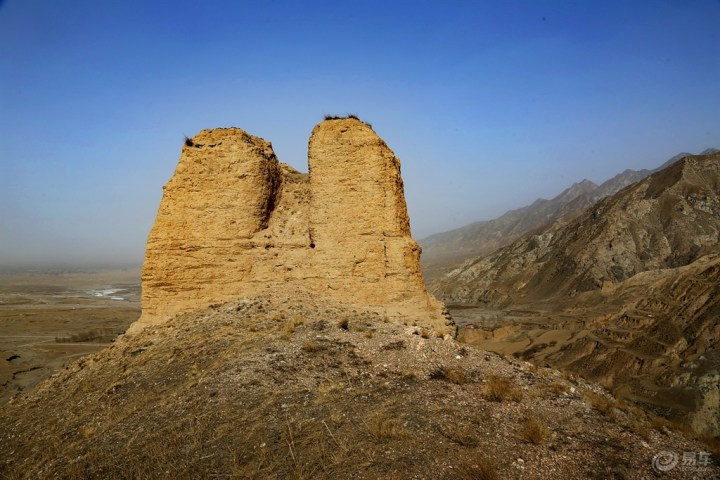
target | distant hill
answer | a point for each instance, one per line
(443, 251)
(634, 281)
(667, 220)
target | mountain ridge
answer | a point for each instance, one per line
(444, 250)
(630, 286)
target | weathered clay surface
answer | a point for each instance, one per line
(234, 221)
(359, 224)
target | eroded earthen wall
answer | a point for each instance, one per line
(234, 221)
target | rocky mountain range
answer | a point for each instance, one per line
(443, 251)
(629, 288)
(667, 220)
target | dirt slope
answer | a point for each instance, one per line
(324, 392)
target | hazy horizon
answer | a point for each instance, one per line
(488, 107)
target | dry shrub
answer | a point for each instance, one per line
(311, 346)
(456, 376)
(450, 374)
(344, 324)
(660, 424)
(477, 468)
(556, 388)
(534, 431)
(499, 389)
(642, 429)
(601, 403)
(461, 434)
(399, 345)
(288, 328)
(384, 427)
(98, 335)
(712, 443)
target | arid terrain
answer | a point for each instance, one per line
(445, 251)
(626, 294)
(47, 320)
(293, 385)
(286, 333)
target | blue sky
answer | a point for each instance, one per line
(489, 105)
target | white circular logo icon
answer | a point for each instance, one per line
(664, 461)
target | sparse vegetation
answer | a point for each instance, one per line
(477, 468)
(398, 345)
(344, 324)
(534, 431)
(660, 424)
(449, 374)
(340, 117)
(288, 328)
(346, 404)
(461, 434)
(384, 427)
(642, 428)
(188, 141)
(311, 346)
(500, 389)
(555, 389)
(603, 404)
(98, 335)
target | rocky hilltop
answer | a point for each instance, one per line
(627, 294)
(234, 221)
(287, 385)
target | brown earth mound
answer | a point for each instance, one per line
(292, 385)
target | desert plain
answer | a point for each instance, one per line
(49, 319)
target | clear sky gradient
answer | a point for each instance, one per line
(489, 105)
